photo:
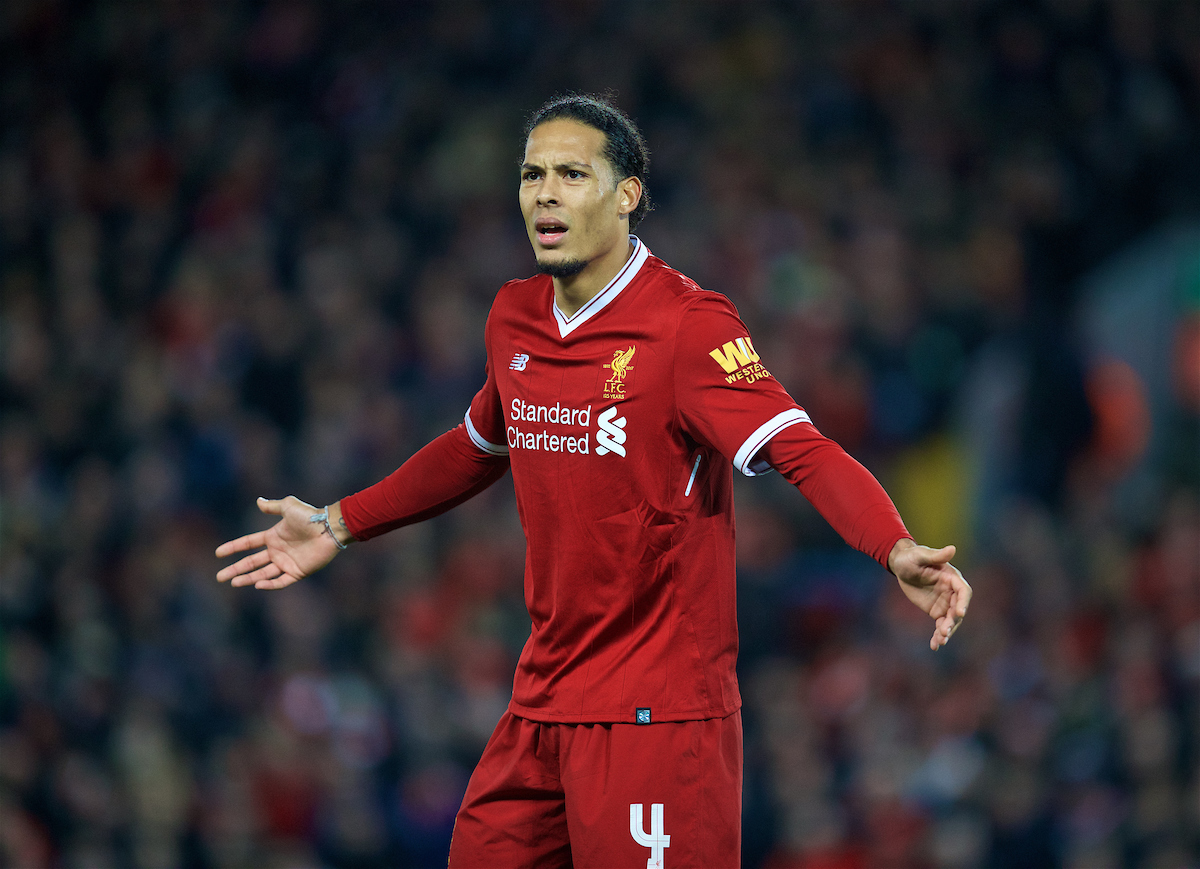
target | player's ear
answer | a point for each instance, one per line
(629, 194)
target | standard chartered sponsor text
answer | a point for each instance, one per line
(556, 414)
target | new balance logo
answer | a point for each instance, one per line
(611, 434)
(656, 841)
(519, 362)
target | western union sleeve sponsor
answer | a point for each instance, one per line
(734, 354)
(739, 361)
(749, 374)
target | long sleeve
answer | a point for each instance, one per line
(445, 472)
(845, 493)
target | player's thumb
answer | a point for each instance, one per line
(941, 556)
(268, 506)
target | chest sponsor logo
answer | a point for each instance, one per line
(519, 362)
(621, 365)
(564, 429)
(522, 437)
(610, 437)
(739, 361)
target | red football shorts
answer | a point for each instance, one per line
(604, 796)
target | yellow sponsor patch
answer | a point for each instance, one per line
(739, 361)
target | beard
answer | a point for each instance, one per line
(567, 268)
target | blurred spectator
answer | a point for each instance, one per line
(248, 248)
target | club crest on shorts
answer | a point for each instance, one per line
(621, 365)
(655, 840)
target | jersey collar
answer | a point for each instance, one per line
(597, 303)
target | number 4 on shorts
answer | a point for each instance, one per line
(656, 841)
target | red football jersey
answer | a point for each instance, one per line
(622, 424)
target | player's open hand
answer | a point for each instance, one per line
(291, 549)
(929, 580)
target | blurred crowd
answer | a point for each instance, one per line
(247, 248)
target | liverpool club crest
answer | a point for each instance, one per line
(621, 365)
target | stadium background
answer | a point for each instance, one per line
(247, 249)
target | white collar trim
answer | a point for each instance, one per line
(597, 303)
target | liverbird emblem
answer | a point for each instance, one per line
(614, 387)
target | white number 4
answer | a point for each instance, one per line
(656, 840)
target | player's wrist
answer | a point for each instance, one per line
(900, 546)
(331, 522)
(337, 526)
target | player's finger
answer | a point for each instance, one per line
(959, 598)
(962, 600)
(245, 565)
(241, 544)
(943, 624)
(942, 630)
(268, 506)
(267, 571)
(953, 620)
(279, 582)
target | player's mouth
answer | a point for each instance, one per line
(550, 231)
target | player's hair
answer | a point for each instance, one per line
(624, 146)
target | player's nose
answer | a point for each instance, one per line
(548, 192)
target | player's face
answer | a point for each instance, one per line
(574, 208)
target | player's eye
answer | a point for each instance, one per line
(574, 174)
(529, 176)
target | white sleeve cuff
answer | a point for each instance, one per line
(477, 439)
(744, 460)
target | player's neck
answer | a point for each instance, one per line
(571, 294)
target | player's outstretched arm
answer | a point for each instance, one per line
(858, 508)
(929, 580)
(291, 549)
